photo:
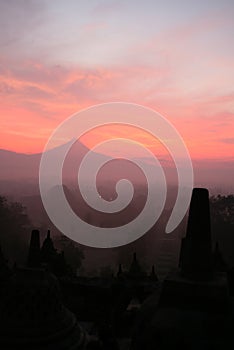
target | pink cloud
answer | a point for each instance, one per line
(37, 94)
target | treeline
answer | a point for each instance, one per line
(15, 228)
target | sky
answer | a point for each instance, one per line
(177, 57)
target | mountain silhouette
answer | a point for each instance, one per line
(19, 166)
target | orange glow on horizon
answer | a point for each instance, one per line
(32, 108)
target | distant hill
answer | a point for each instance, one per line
(19, 172)
(19, 166)
(19, 181)
(22, 170)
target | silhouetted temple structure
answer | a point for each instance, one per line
(34, 255)
(153, 275)
(48, 252)
(193, 310)
(196, 250)
(135, 271)
(133, 310)
(196, 281)
(32, 313)
(33, 316)
(120, 271)
(46, 255)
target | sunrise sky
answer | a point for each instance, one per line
(176, 57)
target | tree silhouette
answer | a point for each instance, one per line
(222, 209)
(14, 224)
(222, 221)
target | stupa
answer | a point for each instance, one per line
(196, 281)
(33, 317)
(32, 314)
(194, 310)
(34, 258)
